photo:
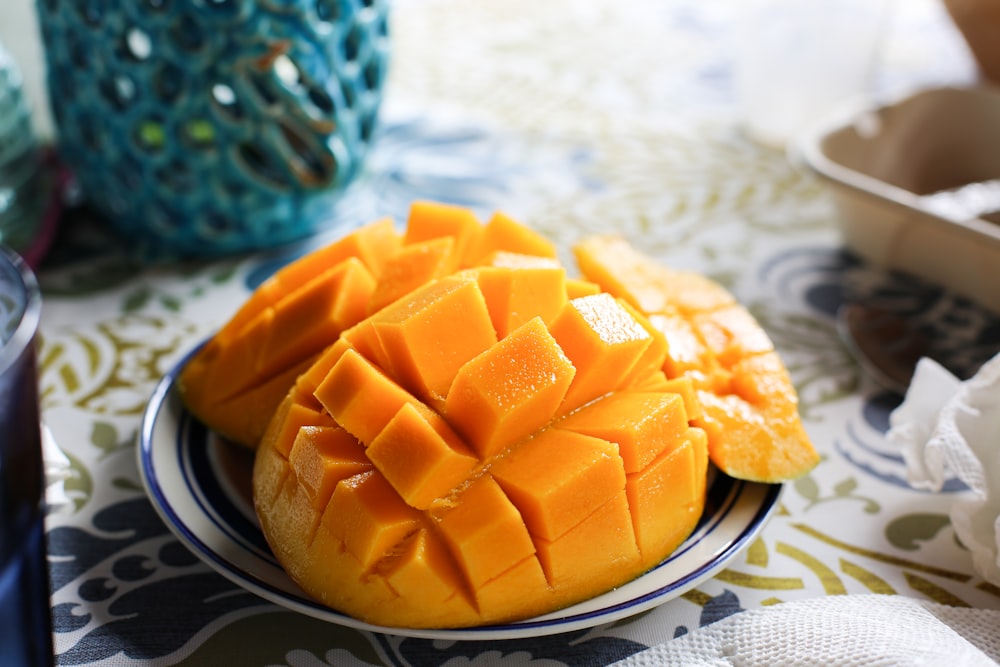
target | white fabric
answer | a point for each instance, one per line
(848, 631)
(57, 471)
(944, 427)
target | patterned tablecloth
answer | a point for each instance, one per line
(576, 118)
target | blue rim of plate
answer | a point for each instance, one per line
(196, 482)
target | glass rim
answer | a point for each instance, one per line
(27, 324)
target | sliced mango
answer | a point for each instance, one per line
(289, 319)
(750, 404)
(452, 431)
(481, 481)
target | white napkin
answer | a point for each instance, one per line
(58, 470)
(946, 426)
(849, 630)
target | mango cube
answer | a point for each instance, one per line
(427, 339)
(642, 424)
(558, 477)
(602, 340)
(420, 456)
(509, 391)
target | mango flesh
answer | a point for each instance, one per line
(452, 431)
(235, 382)
(490, 478)
(750, 407)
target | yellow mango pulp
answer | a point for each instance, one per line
(750, 407)
(501, 476)
(452, 431)
(235, 382)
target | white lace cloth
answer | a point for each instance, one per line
(848, 631)
(949, 427)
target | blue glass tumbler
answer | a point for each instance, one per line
(25, 617)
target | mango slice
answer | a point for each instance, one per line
(286, 322)
(492, 477)
(750, 404)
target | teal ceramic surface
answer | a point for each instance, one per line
(214, 126)
(21, 184)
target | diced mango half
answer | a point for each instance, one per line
(476, 473)
(453, 431)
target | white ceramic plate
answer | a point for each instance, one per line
(200, 485)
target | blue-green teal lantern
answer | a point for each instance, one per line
(204, 127)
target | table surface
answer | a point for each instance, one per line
(575, 118)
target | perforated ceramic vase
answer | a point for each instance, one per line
(215, 126)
